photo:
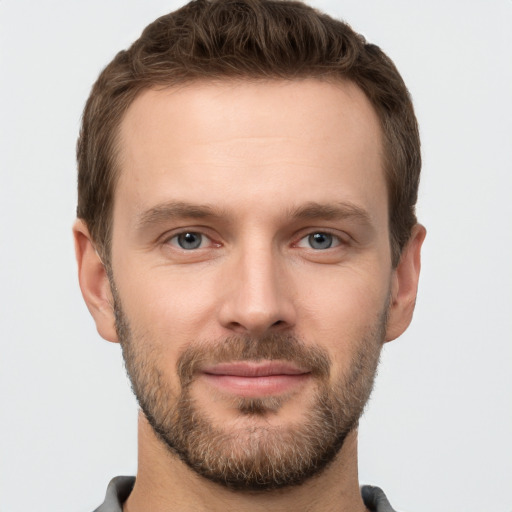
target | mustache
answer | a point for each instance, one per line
(272, 346)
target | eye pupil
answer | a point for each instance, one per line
(320, 240)
(189, 240)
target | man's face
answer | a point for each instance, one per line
(251, 271)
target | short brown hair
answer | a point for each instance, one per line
(245, 39)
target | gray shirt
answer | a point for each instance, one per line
(120, 488)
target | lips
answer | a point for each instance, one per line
(254, 379)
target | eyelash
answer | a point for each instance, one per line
(189, 232)
(335, 240)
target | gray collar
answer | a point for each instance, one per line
(120, 488)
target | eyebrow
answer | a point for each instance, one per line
(309, 211)
(176, 210)
(331, 211)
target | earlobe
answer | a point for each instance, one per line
(94, 282)
(404, 286)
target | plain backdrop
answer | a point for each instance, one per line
(437, 433)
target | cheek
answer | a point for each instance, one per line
(164, 317)
(169, 305)
(341, 310)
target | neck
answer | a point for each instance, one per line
(164, 482)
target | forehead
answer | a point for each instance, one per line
(294, 141)
(334, 111)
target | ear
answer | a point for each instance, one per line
(94, 282)
(404, 285)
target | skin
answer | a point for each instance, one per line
(257, 154)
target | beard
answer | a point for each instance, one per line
(252, 455)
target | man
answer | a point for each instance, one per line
(248, 172)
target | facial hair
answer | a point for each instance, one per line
(252, 456)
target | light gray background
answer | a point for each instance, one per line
(437, 434)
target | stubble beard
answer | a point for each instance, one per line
(253, 456)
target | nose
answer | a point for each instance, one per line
(258, 297)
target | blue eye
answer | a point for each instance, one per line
(188, 240)
(320, 240)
